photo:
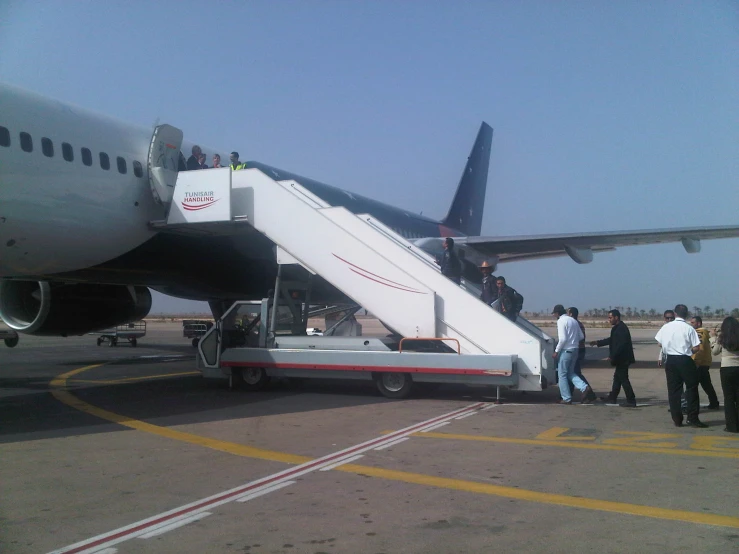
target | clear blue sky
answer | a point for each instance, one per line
(607, 115)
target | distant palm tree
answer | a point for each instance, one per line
(652, 312)
(696, 310)
(707, 311)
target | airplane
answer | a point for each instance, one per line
(78, 251)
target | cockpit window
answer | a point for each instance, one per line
(4, 136)
(26, 142)
(121, 165)
(137, 169)
(47, 147)
(86, 156)
(104, 161)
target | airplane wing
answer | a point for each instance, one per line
(581, 246)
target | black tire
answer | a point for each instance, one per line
(195, 342)
(394, 385)
(133, 343)
(99, 341)
(11, 342)
(252, 378)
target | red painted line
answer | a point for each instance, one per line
(369, 445)
(199, 207)
(378, 368)
(374, 274)
(391, 286)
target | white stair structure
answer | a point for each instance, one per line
(396, 281)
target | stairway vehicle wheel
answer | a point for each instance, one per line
(394, 385)
(11, 342)
(253, 378)
(133, 343)
(195, 342)
(100, 341)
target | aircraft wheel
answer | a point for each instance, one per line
(99, 341)
(133, 343)
(11, 342)
(195, 342)
(253, 378)
(394, 385)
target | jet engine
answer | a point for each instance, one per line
(54, 308)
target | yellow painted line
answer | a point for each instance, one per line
(222, 446)
(131, 379)
(555, 433)
(588, 446)
(543, 497)
(393, 475)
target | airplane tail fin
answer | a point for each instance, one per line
(465, 213)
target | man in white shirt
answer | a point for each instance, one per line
(566, 351)
(679, 341)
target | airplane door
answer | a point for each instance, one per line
(164, 153)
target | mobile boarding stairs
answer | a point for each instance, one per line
(445, 334)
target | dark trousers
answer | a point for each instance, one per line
(679, 371)
(578, 369)
(621, 379)
(730, 386)
(704, 378)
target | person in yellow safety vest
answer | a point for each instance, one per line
(235, 163)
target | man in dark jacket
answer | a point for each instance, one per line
(621, 355)
(193, 161)
(450, 264)
(509, 300)
(488, 283)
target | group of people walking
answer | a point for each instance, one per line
(686, 353)
(496, 293)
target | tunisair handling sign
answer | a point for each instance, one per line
(199, 200)
(201, 196)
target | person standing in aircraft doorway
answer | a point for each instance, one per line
(216, 161)
(193, 162)
(451, 267)
(235, 163)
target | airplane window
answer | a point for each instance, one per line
(4, 137)
(121, 165)
(67, 152)
(26, 142)
(47, 147)
(137, 169)
(86, 156)
(104, 161)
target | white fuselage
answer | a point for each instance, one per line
(58, 215)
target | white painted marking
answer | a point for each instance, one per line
(105, 551)
(466, 415)
(427, 429)
(262, 492)
(391, 444)
(341, 463)
(488, 407)
(141, 527)
(179, 523)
